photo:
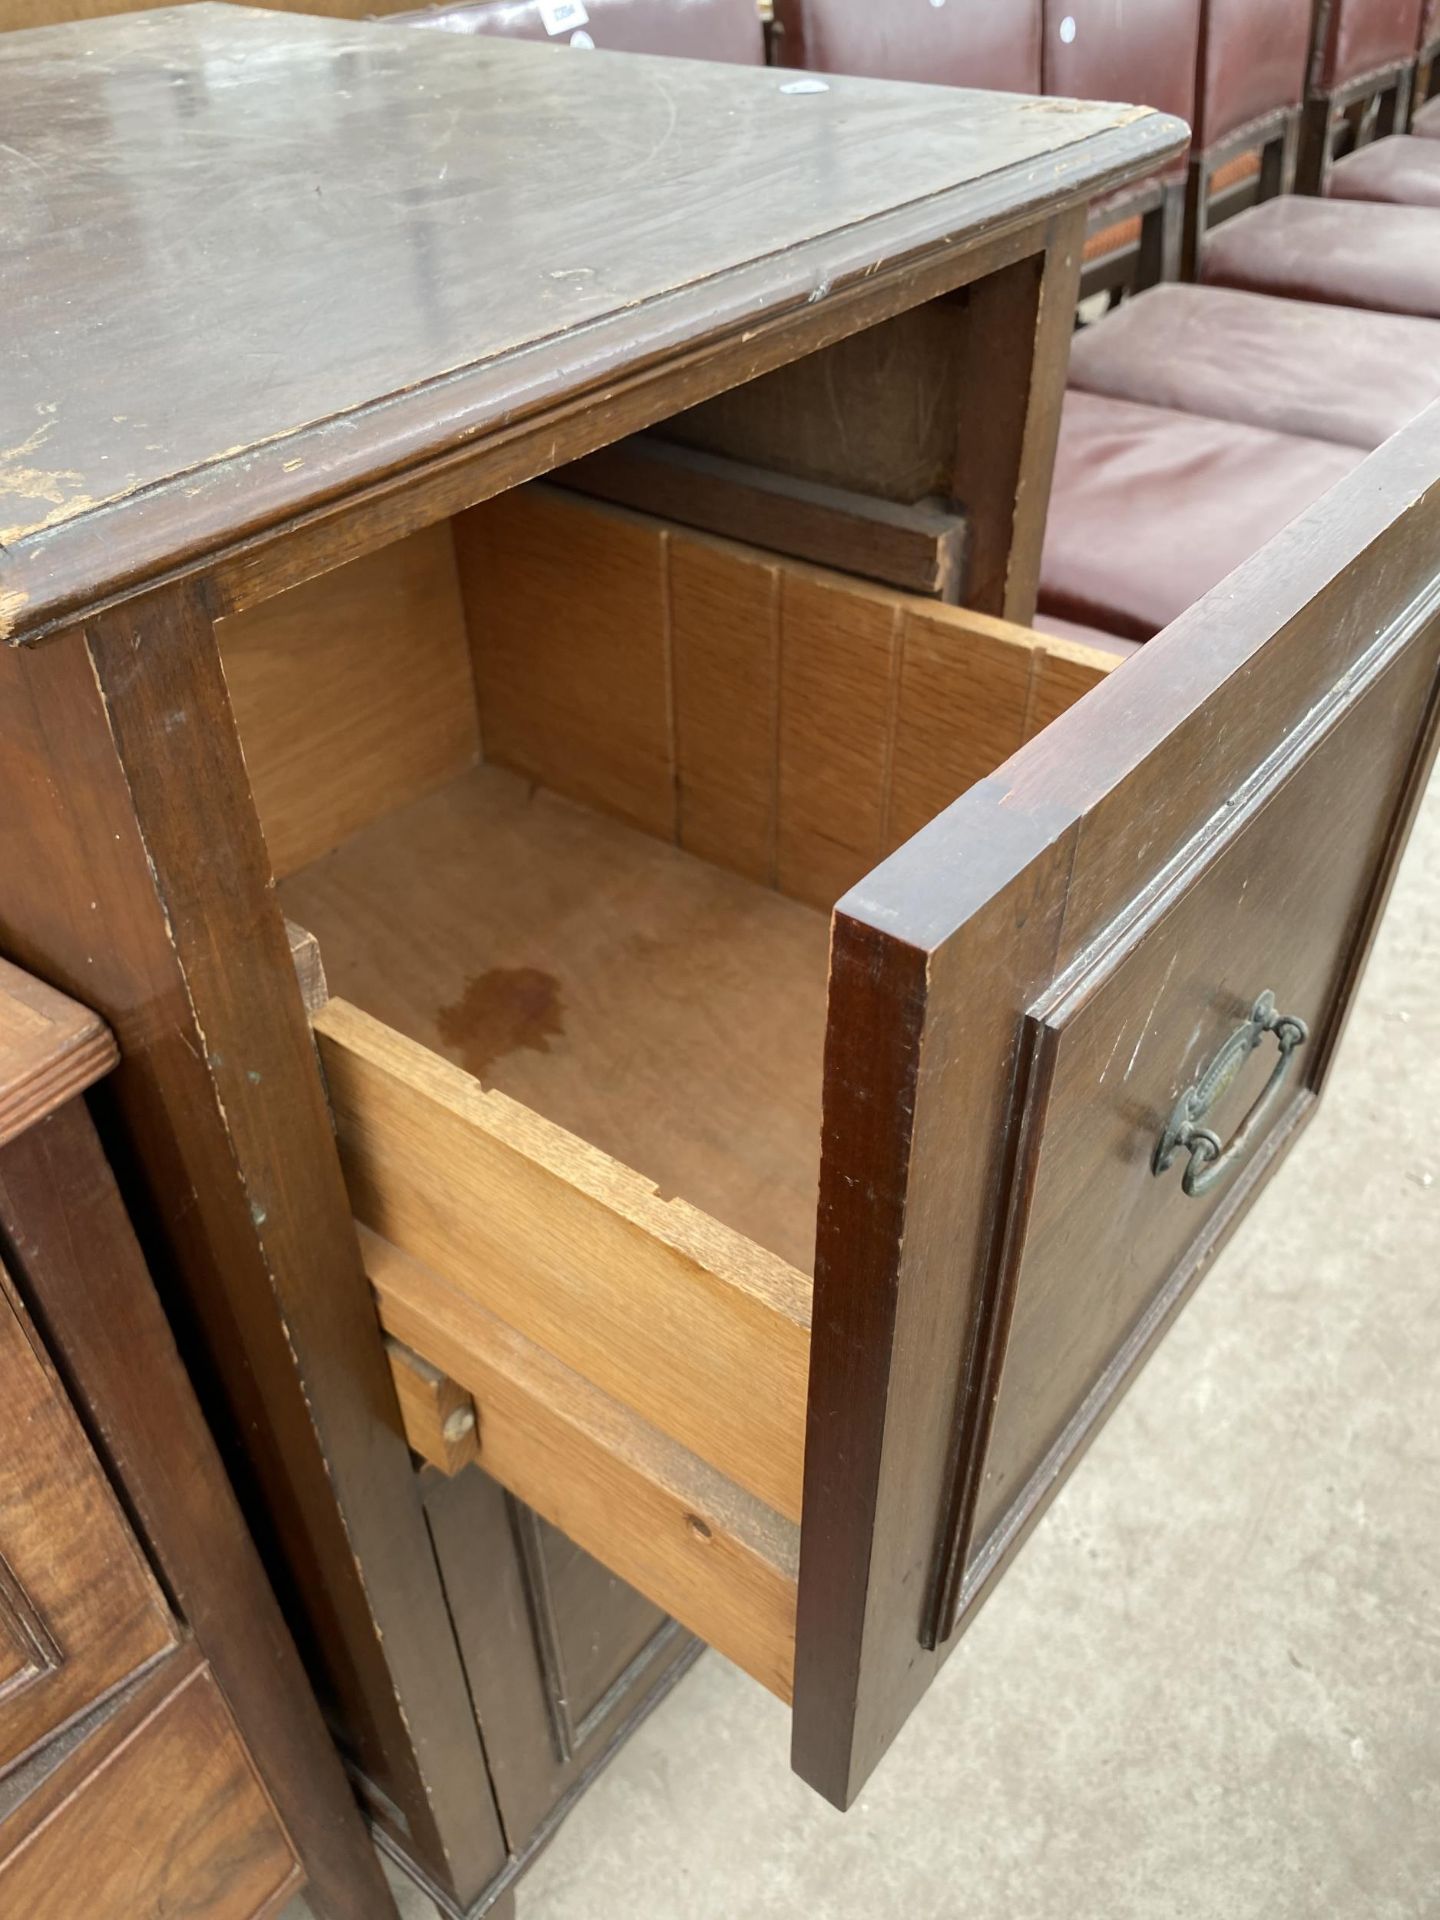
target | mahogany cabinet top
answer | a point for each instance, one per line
(264, 257)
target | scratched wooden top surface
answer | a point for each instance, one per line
(227, 236)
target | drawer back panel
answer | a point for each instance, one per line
(786, 721)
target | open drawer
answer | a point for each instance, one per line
(791, 1260)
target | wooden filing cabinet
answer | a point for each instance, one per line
(757, 994)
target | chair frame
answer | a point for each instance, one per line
(1147, 260)
(1338, 119)
(1275, 139)
(1426, 83)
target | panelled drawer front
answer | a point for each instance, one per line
(79, 1610)
(1019, 998)
(156, 1815)
(1274, 903)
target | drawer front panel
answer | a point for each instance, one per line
(1100, 1238)
(1019, 998)
(157, 1815)
(79, 1611)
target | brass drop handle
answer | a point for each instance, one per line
(1211, 1161)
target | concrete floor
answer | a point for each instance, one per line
(1209, 1688)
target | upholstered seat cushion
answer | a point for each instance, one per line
(699, 29)
(1426, 123)
(1327, 373)
(1404, 169)
(1150, 509)
(1383, 257)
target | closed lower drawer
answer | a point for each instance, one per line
(153, 1813)
(791, 1258)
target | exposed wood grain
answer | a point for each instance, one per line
(51, 1048)
(128, 810)
(78, 1266)
(669, 1013)
(352, 694)
(699, 1547)
(567, 616)
(699, 1330)
(309, 966)
(874, 413)
(80, 1612)
(772, 716)
(1011, 356)
(839, 683)
(725, 670)
(439, 1416)
(159, 1813)
(972, 689)
(1064, 671)
(920, 548)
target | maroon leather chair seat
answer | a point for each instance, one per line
(1150, 509)
(1325, 373)
(699, 29)
(992, 44)
(1383, 257)
(1403, 169)
(1427, 121)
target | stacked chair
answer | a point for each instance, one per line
(1201, 418)
(998, 49)
(1359, 93)
(1320, 245)
(1114, 50)
(1399, 167)
(1249, 105)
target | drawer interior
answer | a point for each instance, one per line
(565, 793)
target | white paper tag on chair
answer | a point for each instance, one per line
(563, 16)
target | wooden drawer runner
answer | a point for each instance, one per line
(791, 1256)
